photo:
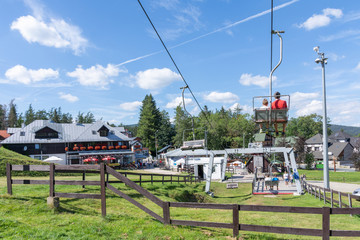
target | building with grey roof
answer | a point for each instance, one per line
(72, 142)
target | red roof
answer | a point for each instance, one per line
(4, 134)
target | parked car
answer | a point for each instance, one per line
(356, 192)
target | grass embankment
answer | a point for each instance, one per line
(25, 215)
(345, 177)
(7, 156)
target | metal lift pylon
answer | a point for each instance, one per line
(288, 152)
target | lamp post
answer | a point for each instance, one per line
(156, 145)
(323, 60)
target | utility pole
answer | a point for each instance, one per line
(321, 59)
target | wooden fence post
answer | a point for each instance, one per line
(324, 196)
(151, 179)
(52, 180)
(8, 178)
(83, 178)
(103, 189)
(140, 179)
(166, 213)
(235, 220)
(162, 179)
(340, 203)
(350, 202)
(332, 198)
(178, 179)
(326, 223)
(171, 179)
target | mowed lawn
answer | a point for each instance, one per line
(25, 214)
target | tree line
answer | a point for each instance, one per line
(223, 128)
(9, 116)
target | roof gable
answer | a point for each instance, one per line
(317, 139)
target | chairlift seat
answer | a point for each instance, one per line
(195, 144)
(277, 115)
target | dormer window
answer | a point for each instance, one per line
(93, 132)
(103, 131)
(22, 133)
(47, 133)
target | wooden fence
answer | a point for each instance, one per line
(329, 195)
(325, 232)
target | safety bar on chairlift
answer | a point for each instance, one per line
(288, 103)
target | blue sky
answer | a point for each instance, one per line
(104, 57)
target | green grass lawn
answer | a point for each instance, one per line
(346, 177)
(25, 215)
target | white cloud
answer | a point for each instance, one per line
(23, 75)
(357, 68)
(248, 79)
(97, 75)
(68, 97)
(54, 33)
(178, 101)
(321, 20)
(335, 57)
(153, 79)
(299, 99)
(340, 35)
(130, 106)
(244, 108)
(315, 106)
(225, 97)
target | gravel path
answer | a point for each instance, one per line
(342, 187)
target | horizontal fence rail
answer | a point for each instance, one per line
(321, 193)
(325, 232)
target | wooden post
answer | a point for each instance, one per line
(103, 189)
(235, 220)
(320, 194)
(326, 223)
(107, 177)
(166, 213)
(185, 179)
(340, 203)
(162, 179)
(52, 180)
(151, 179)
(8, 178)
(178, 179)
(191, 177)
(324, 196)
(332, 198)
(83, 178)
(171, 179)
(140, 179)
(350, 203)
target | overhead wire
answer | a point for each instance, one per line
(173, 61)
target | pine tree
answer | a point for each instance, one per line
(12, 118)
(29, 115)
(183, 126)
(149, 122)
(2, 117)
(166, 131)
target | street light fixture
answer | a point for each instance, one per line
(156, 145)
(323, 60)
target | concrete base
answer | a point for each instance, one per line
(53, 202)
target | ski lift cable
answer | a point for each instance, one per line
(173, 61)
(177, 68)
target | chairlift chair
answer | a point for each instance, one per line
(262, 116)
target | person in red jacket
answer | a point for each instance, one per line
(279, 104)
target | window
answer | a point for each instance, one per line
(93, 132)
(103, 133)
(316, 148)
(37, 146)
(22, 133)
